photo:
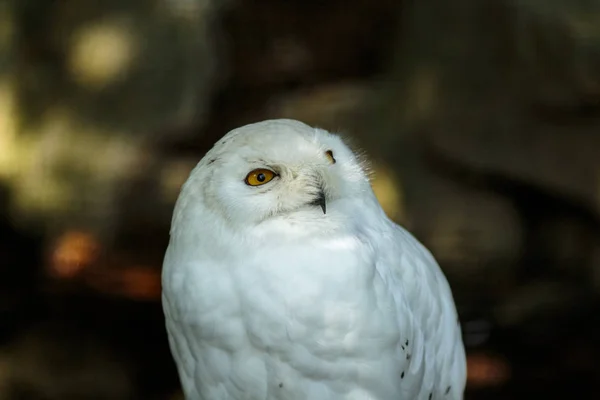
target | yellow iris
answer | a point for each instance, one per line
(259, 177)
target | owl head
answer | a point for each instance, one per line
(275, 169)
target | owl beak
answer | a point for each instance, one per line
(320, 201)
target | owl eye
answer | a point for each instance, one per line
(259, 177)
(329, 155)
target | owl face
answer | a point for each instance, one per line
(276, 168)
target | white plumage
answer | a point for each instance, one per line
(268, 297)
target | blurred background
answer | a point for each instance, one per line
(481, 119)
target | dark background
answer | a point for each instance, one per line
(481, 119)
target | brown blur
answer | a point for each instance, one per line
(481, 119)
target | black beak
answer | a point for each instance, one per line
(320, 201)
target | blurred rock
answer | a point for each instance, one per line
(299, 42)
(337, 107)
(476, 235)
(87, 88)
(125, 67)
(513, 89)
(559, 159)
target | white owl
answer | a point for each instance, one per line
(284, 279)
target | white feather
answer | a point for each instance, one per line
(266, 297)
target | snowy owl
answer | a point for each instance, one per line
(284, 279)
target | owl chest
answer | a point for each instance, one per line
(290, 298)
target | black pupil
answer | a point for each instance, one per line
(261, 177)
